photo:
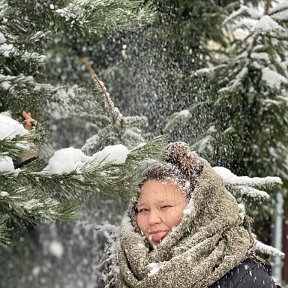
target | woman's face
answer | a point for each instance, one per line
(160, 208)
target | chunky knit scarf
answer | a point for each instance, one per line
(209, 241)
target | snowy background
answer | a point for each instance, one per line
(214, 76)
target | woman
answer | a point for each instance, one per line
(184, 229)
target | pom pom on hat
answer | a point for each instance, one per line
(180, 155)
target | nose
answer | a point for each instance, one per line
(154, 217)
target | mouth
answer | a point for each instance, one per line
(158, 236)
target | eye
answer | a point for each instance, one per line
(142, 210)
(165, 206)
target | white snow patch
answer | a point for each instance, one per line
(65, 161)
(212, 129)
(208, 70)
(189, 209)
(267, 24)
(31, 204)
(253, 13)
(251, 192)
(4, 194)
(232, 179)
(267, 249)
(242, 211)
(184, 113)
(10, 128)
(269, 102)
(6, 165)
(56, 249)
(70, 159)
(279, 7)
(90, 143)
(113, 153)
(24, 145)
(2, 38)
(282, 15)
(187, 185)
(230, 129)
(204, 144)
(260, 56)
(244, 24)
(153, 269)
(5, 85)
(6, 49)
(272, 78)
(240, 76)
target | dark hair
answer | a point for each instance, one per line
(181, 166)
(164, 171)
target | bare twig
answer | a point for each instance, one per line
(268, 4)
(108, 101)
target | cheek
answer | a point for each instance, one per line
(141, 222)
(175, 217)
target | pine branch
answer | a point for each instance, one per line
(4, 237)
(93, 177)
(23, 206)
(116, 116)
(117, 179)
(10, 147)
(99, 17)
(109, 103)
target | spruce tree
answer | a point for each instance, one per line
(29, 33)
(41, 47)
(251, 92)
(242, 106)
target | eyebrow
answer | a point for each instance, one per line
(158, 202)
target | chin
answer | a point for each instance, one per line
(153, 245)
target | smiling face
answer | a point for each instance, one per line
(160, 208)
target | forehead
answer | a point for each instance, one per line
(159, 190)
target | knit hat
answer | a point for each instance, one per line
(180, 166)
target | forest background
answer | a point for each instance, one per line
(210, 73)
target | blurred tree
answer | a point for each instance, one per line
(213, 74)
(29, 32)
(41, 44)
(251, 91)
(242, 106)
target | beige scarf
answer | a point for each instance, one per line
(209, 241)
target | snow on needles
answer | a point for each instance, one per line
(10, 128)
(267, 24)
(70, 159)
(269, 250)
(116, 154)
(65, 161)
(232, 179)
(2, 38)
(6, 165)
(272, 78)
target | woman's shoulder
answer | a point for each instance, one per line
(247, 274)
